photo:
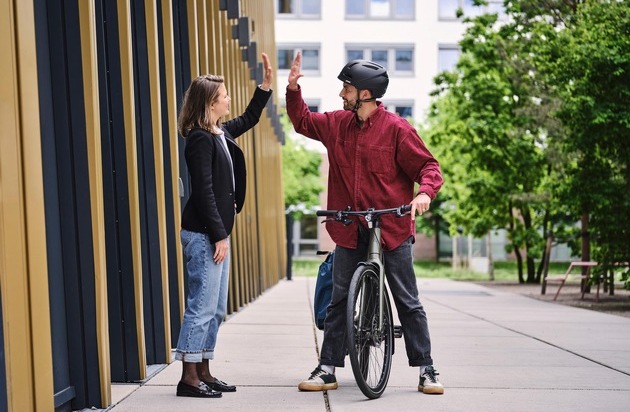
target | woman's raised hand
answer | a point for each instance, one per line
(267, 73)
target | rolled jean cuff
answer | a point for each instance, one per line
(421, 362)
(337, 364)
(191, 357)
(207, 354)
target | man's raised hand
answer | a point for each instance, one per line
(294, 73)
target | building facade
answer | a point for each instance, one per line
(92, 182)
(414, 40)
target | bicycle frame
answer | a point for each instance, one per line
(375, 257)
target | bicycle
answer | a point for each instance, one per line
(369, 322)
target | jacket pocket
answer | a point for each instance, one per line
(379, 159)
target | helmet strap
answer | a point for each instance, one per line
(358, 105)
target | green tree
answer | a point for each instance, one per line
(591, 73)
(300, 173)
(533, 125)
(493, 156)
(433, 223)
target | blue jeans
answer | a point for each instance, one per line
(403, 287)
(206, 305)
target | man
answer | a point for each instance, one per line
(375, 158)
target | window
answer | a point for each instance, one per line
(397, 60)
(286, 6)
(380, 9)
(497, 7)
(310, 57)
(299, 8)
(308, 235)
(380, 57)
(308, 229)
(470, 10)
(313, 105)
(402, 109)
(404, 60)
(447, 9)
(354, 55)
(447, 57)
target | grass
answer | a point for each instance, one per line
(503, 271)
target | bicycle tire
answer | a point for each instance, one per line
(370, 351)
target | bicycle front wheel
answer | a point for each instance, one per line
(370, 348)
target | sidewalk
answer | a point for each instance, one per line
(495, 351)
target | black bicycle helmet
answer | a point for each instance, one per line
(366, 75)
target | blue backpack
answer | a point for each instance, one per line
(323, 291)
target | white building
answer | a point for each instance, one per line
(414, 40)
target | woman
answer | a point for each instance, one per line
(216, 166)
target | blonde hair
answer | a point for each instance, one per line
(195, 111)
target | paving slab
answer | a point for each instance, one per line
(494, 350)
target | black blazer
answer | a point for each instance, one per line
(211, 206)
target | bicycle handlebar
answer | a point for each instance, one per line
(340, 214)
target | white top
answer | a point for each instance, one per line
(221, 137)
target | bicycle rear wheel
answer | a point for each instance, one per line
(370, 349)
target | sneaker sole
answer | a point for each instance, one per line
(315, 387)
(431, 390)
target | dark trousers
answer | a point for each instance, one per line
(403, 287)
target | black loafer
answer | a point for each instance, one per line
(220, 386)
(201, 391)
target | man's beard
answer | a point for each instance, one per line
(349, 106)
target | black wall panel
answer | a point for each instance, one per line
(151, 264)
(67, 199)
(182, 80)
(120, 271)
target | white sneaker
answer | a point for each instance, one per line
(319, 380)
(429, 382)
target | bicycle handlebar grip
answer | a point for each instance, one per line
(326, 213)
(405, 208)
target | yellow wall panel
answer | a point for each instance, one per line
(126, 63)
(93, 134)
(23, 270)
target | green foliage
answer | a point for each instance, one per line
(595, 91)
(432, 223)
(532, 128)
(489, 151)
(300, 174)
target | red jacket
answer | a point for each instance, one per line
(373, 165)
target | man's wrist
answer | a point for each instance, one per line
(263, 88)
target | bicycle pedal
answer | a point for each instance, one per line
(398, 332)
